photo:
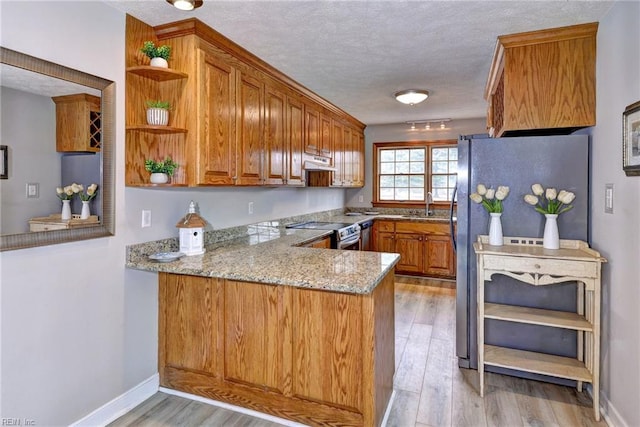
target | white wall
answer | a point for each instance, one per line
(617, 235)
(402, 132)
(28, 128)
(78, 329)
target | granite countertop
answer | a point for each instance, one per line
(273, 256)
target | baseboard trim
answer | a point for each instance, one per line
(610, 413)
(233, 408)
(121, 404)
(387, 412)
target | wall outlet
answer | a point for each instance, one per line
(146, 218)
(250, 208)
(361, 198)
(33, 190)
(608, 198)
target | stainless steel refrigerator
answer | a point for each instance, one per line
(553, 161)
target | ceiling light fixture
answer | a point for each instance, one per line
(411, 96)
(442, 125)
(413, 126)
(185, 4)
(427, 126)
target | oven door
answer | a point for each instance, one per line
(350, 244)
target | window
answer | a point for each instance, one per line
(406, 171)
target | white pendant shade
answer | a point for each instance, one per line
(412, 96)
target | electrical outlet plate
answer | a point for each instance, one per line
(33, 190)
(146, 218)
(608, 198)
(250, 208)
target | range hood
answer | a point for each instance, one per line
(317, 163)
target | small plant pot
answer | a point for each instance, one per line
(159, 178)
(159, 62)
(157, 116)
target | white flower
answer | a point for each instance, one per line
(482, 190)
(475, 197)
(537, 189)
(59, 191)
(92, 189)
(68, 190)
(551, 194)
(76, 188)
(566, 197)
(490, 194)
(531, 199)
(502, 192)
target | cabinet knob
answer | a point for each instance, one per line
(537, 266)
(235, 178)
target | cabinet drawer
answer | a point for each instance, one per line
(422, 227)
(385, 226)
(554, 267)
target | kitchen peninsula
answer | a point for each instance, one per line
(257, 321)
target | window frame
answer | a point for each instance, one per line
(376, 202)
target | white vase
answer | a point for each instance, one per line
(159, 178)
(66, 210)
(551, 238)
(85, 213)
(157, 116)
(159, 62)
(495, 229)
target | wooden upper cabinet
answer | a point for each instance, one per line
(275, 133)
(543, 82)
(78, 127)
(250, 142)
(295, 142)
(326, 133)
(217, 124)
(311, 130)
(338, 154)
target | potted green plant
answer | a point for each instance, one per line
(158, 112)
(160, 171)
(159, 55)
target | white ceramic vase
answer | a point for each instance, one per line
(85, 213)
(495, 229)
(551, 238)
(159, 62)
(66, 210)
(159, 178)
(157, 116)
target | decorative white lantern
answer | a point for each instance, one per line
(192, 232)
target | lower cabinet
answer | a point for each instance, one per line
(316, 357)
(425, 247)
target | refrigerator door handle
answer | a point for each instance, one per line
(451, 227)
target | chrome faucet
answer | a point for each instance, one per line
(428, 205)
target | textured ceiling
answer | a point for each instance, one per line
(357, 54)
(39, 84)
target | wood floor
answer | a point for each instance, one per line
(430, 388)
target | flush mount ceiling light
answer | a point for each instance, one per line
(185, 4)
(411, 96)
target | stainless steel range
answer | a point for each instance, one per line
(345, 236)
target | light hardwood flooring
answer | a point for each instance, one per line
(430, 388)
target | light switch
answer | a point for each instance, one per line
(608, 198)
(146, 218)
(33, 190)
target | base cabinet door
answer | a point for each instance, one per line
(439, 257)
(411, 250)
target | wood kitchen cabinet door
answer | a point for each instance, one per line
(326, 136)
(249, 141)
(411, 250)
(326, 364)
(311, 130)
(439, 256)
(295, 141)
(254, 336)
(384, 241)
(217, 124)
(338, 154)
(275, 150)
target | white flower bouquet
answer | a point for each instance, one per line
(549, 201)
(490, 198)
(92, 191)
(67, 193)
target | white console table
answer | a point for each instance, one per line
(525, 259)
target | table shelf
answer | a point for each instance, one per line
(537, 316)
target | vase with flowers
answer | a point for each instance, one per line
(491, 199)
(550, 203)
(66, 194)
(86, 197)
